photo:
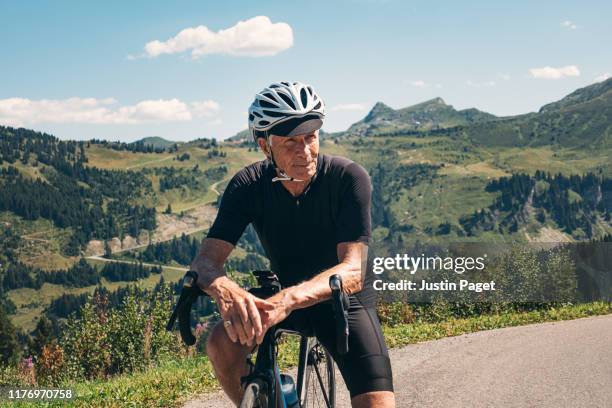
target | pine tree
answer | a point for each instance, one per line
(107, 250)
(9, 345)
(42, 335)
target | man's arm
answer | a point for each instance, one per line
(209, 261)
(235, 304)
(353, 262)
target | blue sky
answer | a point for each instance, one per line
(80, 70)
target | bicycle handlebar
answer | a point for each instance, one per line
(189, 294)
(340, 304)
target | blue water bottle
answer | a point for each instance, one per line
(289, 391)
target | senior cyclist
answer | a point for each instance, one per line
(312, 214)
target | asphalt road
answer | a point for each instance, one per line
(558, 364)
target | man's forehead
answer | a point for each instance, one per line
(278, 138)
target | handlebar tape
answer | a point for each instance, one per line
(340, 303)
(189, 295)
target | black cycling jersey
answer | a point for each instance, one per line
(299, 234)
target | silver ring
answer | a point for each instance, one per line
(227, 323)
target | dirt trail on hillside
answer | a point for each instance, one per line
(149, 162)
(549, 235)
(168, 226)
(99, 258)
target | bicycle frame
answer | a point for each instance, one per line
(266, 371)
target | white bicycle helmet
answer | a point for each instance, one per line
(285, 109)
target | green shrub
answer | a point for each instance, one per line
(50, 365)
(395, 313)
(21, 374)
(86, 345)
(124, 340)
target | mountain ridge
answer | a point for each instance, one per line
(431, 114)
(590, 107)
(580, 95)
(581, 119)
(155, 141)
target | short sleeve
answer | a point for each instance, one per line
(354, 220)
(233, 215)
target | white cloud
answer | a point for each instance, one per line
(255, 37)
(22, 111)
(159, 110)
(480, 84)
(505, 77)
(350, 107)
(205, 109)
(438, 86)
(569, 25)
(555, 73)
(603, 77)
(418, 84)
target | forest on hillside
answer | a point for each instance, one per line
(95, 203)
(573, 202)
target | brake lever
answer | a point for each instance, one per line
(189, 295)
(340, 304)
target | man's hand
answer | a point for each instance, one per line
(242, 309)
(282, 303)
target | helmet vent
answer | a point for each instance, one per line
(318, 105)
(274, 114)
(266, 104)
(304, 97)
(287, 100)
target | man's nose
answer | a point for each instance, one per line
(302, 148)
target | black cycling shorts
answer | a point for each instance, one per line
(366, 366)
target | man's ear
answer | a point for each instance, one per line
(263, 146)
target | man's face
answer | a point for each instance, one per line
(296, 155)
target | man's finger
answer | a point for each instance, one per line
(263, 304)
(240, 308)
(265, 326)
(260, 336)
(229, 329)
(238, 327)
(248, 329)
(246, 321)
(254, 316)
